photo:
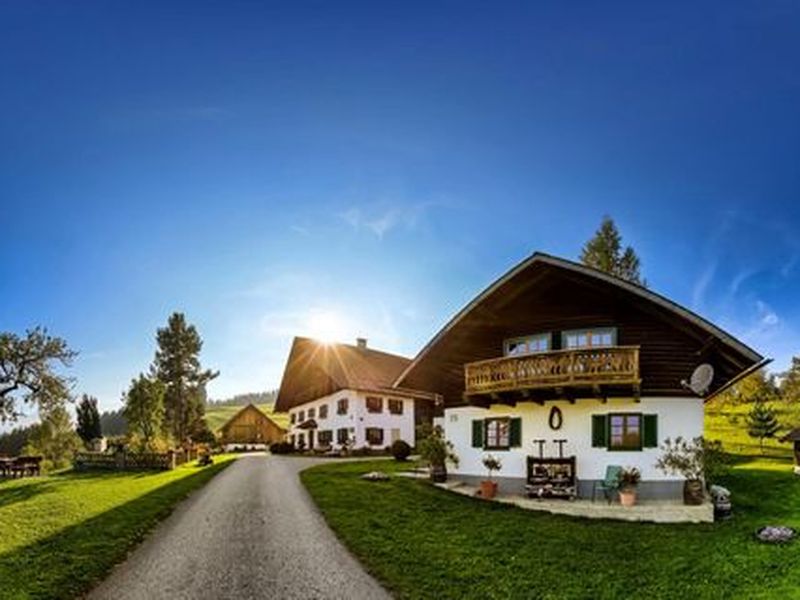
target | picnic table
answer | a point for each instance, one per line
(20, 466)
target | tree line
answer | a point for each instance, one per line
(165, 406)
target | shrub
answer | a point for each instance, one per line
(281, 448)
(694, 460)
(629, 478)
(400, 450)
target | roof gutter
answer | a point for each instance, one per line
(747, 372)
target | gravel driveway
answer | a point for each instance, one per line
(251, 532)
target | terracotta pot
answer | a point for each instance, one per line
(693, 492)
(438, 473)
(627, 496)
(488, 489)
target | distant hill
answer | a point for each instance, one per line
(245, 399)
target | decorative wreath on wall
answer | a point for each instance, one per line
(556, 418)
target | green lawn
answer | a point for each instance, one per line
(729, 424)
(216, 416)
(59, 533)
(422, 542)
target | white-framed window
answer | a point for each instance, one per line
(498, 433)
(595, 337)
(528, 344)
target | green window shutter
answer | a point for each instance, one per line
(650, 437)
(599, 431)
(477, 433)
(515, 433)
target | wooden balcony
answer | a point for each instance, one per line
(557, 374)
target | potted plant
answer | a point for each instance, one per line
(437, 452)
(489, 487)
(695, 460)
(628, 479)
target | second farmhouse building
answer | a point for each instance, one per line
(341, 396)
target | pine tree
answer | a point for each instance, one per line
(144, 409)
(762, 423)
(604, 252)
(88, 428)
(177, 366)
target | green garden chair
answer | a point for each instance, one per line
(609, 485)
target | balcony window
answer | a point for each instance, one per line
(598, 337)
(396, 407)
(528, 344)
(323, 411)
(374, 404)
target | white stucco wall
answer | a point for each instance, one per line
(358, 419)
(676, 417)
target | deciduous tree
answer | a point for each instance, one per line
(27, 372)
(144, 409)
(55, 438)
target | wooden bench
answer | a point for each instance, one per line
(21, 466)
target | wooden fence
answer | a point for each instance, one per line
(132, 461)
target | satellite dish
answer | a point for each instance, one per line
(701, 379)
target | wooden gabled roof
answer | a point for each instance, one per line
(244, 409)
(315, 369)
(548, 293)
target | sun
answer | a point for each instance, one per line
(326, 326)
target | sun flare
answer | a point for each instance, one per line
(326, 326)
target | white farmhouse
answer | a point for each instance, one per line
(563, 371)
(340, 395)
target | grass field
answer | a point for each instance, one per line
(729, 424)
(216, 416)
(422, 542)
(59, 533)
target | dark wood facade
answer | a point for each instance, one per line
(251, 426)
(549, 295)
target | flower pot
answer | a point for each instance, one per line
(693, 492)
(438, 473)
(488, 489)
(627, 496)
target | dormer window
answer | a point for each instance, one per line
(529, 344)
(595, 337)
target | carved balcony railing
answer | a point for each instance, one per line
(584, 368)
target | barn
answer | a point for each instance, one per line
(250, 428)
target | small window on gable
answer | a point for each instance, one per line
(597, 337)
(529, 344)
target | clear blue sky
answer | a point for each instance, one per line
(367, 168)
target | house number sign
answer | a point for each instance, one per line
(556, 418)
